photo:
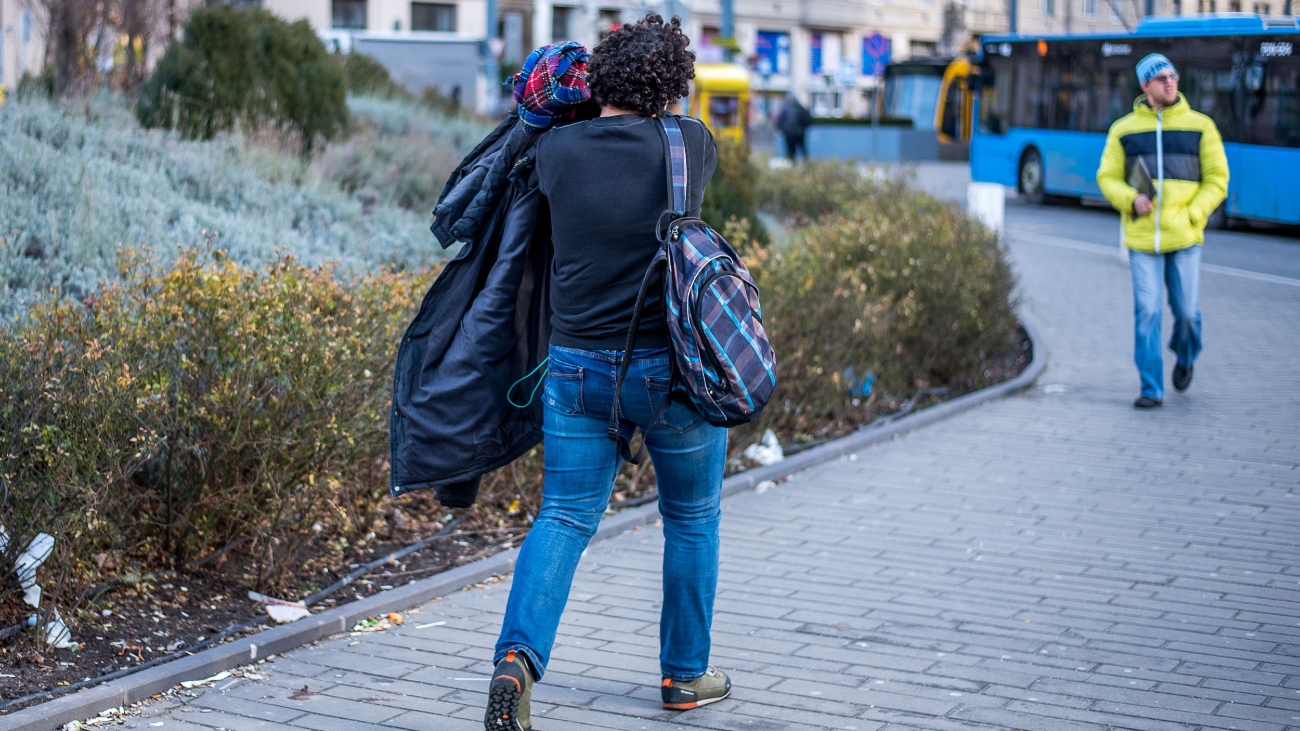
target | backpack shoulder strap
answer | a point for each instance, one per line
(675, 146)
(677, 169)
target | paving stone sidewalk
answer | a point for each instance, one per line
(1051, 561)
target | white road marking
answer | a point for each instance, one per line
(1040, 238)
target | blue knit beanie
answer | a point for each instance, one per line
(1151, 65)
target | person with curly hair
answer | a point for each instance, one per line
(605, 183)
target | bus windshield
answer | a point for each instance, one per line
(913, 94)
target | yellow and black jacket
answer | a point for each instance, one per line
(1183, 151)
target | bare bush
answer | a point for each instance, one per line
(93, 43)
(196, 403)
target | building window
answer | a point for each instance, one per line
(826, 50)
(561, 23)
(1178, 7)
(1090, 8)
(1234, 6)
(1049, 7)
(1262, 9)
(709, 50)
(772, 51)
(348, 14)
(433, 16)
(826, 103)
(512, 32)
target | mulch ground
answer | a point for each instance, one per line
(160, 614)
(152, 616)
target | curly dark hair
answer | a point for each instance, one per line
(642, 66)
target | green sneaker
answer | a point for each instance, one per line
(509, 695)
(712, 686)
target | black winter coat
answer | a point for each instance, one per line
(482, 326)
(794, 120)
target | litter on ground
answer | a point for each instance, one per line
(767, 450)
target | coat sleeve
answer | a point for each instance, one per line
(1214, 176)
(1110, 176)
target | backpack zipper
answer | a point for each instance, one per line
(705, 347)
(699, 325)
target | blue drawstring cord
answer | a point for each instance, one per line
(525, 378)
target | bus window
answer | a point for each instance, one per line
(1118, 90)
(1208, 70)
(1073, 71)
(995, 95)
(1028, 108)
(914, 97)
(1272, 110)
(1250, 96)
(952, 111)
(724, 111)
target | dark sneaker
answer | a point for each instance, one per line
(1182, 378)
(712, 686)
(509, 695)
(1146, 402)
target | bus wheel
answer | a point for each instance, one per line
(1031, 177)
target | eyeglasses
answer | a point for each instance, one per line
(1165, 78)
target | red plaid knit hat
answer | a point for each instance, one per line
(552, 83)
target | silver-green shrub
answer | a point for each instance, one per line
(78, 181)
(401, 150)
(877, 278)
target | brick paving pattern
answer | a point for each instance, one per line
(1050, 562)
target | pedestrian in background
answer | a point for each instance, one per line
(1165, 171)
(794, 121)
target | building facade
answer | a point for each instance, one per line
(812, 48)
(22, 41)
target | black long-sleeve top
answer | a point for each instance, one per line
(605, 181)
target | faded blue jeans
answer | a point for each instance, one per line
(1180, 272)
(581, 462)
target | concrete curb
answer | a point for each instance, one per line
(131, 689)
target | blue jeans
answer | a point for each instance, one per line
(581, 462)
(1180, 272)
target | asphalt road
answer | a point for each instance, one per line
(1273, 250)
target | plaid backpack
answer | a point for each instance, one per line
(721, 355)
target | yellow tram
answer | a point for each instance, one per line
(720, 98)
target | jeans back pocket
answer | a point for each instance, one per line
(679, 417)
(563, 388)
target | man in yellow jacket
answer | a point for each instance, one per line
(1164, 170)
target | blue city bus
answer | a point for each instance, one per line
(1046, 103)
